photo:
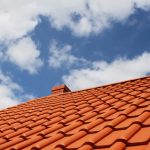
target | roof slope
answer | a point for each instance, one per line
(112, 117)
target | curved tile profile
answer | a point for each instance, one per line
(111, 117)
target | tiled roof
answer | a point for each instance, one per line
(111, 117)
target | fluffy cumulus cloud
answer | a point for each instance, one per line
(61, 55)
(83, 17)
(17, 18)
(102, 72)
(10, 92)
(25, 55)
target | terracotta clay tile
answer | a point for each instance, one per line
(119, 104)
(119, 145)
(50, 130)
(147, 147)
(109, 139)
(13, 134)
(26, 143)
(127, 98)
(117, 120)
(106, 98)
(141, 88)
(84, 110)
(90, 119)
(32, 131)
(138, 101)
(79, 143)
(135, 93)
(86, 147)
(4, 126)
(147, 122)
(70, 118)
(129, 109)
(34, 124)
(102, 107)
(114, 93)
(73, 138)
(92, 101)
(102, 95)
(6, 132)
(136, 139)
(130, 132)
(2, 140)
(143, 117)
(124, 107)
(147, 89)
(100, 135)
(109, 113)
(8, 144)
(111, 117)
(138, 147)
(9, 126)
(146, 103)
(16, 127)
(48, 141)
(124, 124)
(144, 95)
(120, 95)
(52, 121)
(137, 112)
(112, 100)
(87, 117)
(99, 127)
(93, 124)
(97, 103)
(71, 127)
(77, 129)
(46, 147)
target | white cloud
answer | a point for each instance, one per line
(61, 55)
(25, 55)
(100, 14)
(19, 17)
(102, 72)
(10, 92)
(143, 4)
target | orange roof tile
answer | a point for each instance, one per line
(111, 117)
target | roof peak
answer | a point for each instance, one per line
(59, 89)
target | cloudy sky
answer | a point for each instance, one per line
(82, 43)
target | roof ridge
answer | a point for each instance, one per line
(58, 94)
(120, 82)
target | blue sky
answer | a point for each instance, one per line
(83, 44)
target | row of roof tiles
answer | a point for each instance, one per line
(114, 117)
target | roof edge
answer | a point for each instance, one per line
(111, 84)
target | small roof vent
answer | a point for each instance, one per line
(60, 89)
